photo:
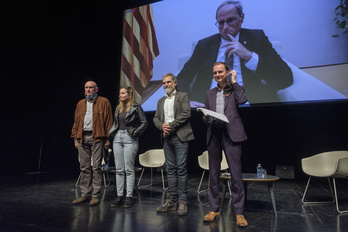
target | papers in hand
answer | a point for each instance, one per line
(213, 114)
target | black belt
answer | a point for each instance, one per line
(87, 132)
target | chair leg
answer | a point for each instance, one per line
(229, 184)
(135, 180)
(229, 187)
(200, 183)
(151, 177)
(78, 180)
(141, 176)
(314, 202)
(106, 184)
(164, 187)
(338, 210)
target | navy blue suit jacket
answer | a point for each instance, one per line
(196, 76)
(235, 128)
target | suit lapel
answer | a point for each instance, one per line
(175, 102)
(244, 39)
(213, 97)
(162, 108)
(227, 100)
(214, 50)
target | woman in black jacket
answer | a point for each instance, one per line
(129, 123)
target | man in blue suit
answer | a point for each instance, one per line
(249, 52)
(225, 99)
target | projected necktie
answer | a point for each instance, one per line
(228, 86)
(229, 62)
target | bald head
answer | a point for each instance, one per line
(91, 89)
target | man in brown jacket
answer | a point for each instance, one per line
(93, 119)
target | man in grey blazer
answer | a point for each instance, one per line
(172, 119)
(224, 99)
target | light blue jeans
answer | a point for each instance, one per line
(125, 151)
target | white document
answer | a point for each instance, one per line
(213, 114)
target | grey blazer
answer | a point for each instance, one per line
(182, 114)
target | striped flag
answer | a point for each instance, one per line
(139, 49)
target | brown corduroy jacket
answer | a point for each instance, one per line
(102, 119)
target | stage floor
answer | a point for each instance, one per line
(29, 203)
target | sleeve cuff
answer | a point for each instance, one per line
(252, 63)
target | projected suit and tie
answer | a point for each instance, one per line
(279, 61)
(259, 67)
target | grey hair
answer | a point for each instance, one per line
(173, 78)
(170, 75)
(237, 4)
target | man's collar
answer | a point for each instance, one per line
(218, 87)
(172, 95)
(93, 101)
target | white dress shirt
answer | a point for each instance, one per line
(169, 107)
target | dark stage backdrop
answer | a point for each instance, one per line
(50, 48)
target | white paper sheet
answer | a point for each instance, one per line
(213, 114)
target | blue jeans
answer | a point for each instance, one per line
(125, 151)
(175, 152)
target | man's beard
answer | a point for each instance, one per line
(168, 89)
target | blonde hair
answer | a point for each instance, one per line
(121, 105)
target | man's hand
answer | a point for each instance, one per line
(234, 47)
(233, 76)
(166, 129)
(107, 144)
(76, 144)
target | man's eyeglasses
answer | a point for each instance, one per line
(229, 21)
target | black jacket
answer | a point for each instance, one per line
(136, 121)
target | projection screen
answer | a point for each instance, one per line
(162, 37)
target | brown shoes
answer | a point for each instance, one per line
(80, 200)
(211, 216)
(182, 210)
(169, 205)
(241, 222)
(94, 201)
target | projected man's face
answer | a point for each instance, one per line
(220, 74)
(229, 21)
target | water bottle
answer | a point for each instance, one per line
(259, 171)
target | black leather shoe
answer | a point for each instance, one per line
(118, 201)
(128, 202)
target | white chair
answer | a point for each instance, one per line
(152, 159)
(332, 164)
(203, 161)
